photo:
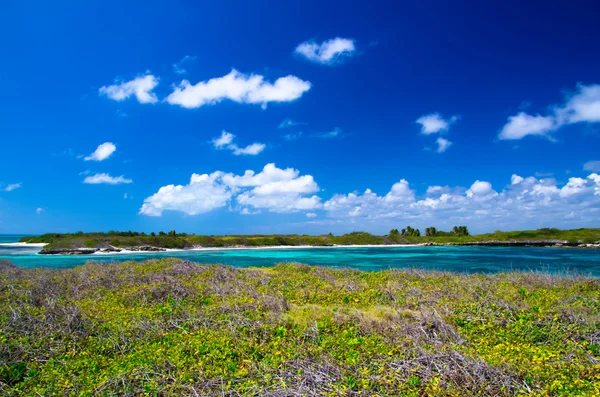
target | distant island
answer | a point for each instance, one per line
(114, 241)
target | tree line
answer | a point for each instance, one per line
(395, 234)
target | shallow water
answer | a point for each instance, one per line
(457, 259)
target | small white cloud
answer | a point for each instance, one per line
(240, 88)
(434, 123)
(179, 67)
(523, 124)
(479, 189)
(141, 87)
(11, 187)
(329, 52)
(39, 210)
(443, 144)
(251, 150)
(102, 152)
(593, 166)
(225, 141)
(104, 178)
(311, 215)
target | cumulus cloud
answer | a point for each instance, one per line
(238, 87)
(102, 152)
(11, 187)
(225, 141)
(104, 178)
(434, 123)
(39, 210)
(593, 166)
(273, 189)
(328, 52)
(141, 87)
(480, 189)
(581, 106)
(527, 202)
(443, 144)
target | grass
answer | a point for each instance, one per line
(102, 240)
(171, 327)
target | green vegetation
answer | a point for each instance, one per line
(172, 239)
(460, 234)
(172, 328)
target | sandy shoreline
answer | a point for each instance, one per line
(23, 244)
(271, 247)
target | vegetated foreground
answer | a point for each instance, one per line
(171, 327)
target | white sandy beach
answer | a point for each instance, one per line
(275, 247)
(23, 244)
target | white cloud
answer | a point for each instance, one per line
(581, 106)
(179, 67)
(141, 87)
(204, 193)
(480, 189)
(11, 187)
(434, 123)
(515, 179)
(593, 166)
(525, 203)
(102, 152)
(252, 149)
(238, 87)
(573, 187)
(523, 124)
(273, 189)
(443, 144)
(39, 210)
(225, 141)
(329, 52)
(104, 178)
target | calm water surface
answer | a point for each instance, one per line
(457, 259)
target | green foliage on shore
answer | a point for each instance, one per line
(175, 328)
(172, 239)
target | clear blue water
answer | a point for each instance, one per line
(457, 259)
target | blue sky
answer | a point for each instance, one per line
(481, 113)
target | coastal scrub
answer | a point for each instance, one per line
(171, 327)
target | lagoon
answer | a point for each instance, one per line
(457, 259)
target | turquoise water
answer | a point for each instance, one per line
(457, 259)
